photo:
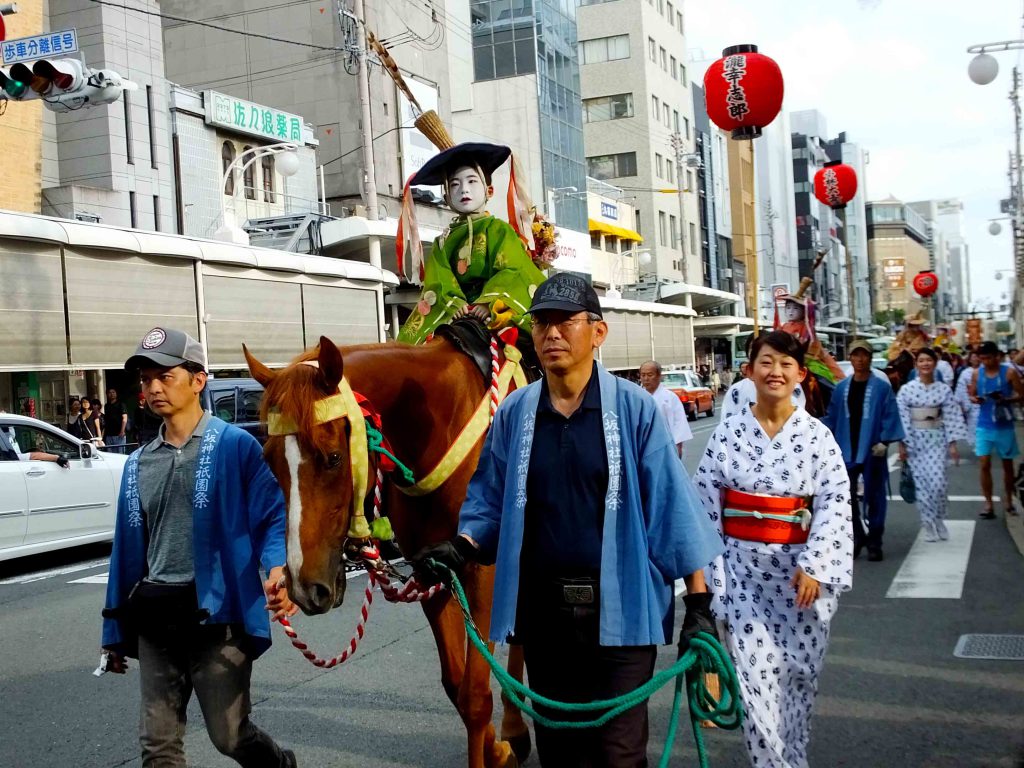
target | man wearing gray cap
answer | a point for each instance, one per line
(581, 502)
(199, 510)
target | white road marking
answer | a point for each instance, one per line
(956, 498)
(28, 578)
(936, 569)
(100, 578)
(293, 454)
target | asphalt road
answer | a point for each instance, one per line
(892, 694)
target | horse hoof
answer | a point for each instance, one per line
(521, 746)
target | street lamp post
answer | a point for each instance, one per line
(643, 255)
(287, 164)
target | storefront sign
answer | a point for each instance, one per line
(779, 290)
(573, 250)
(894, 274)
(610, 211)
(253, 119)
(974, 331)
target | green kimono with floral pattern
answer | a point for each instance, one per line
(494, 267)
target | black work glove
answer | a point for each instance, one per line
(455, 554)
(698, 619)
(62, 461)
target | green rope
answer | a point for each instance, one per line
(376, 443)
(704, 654)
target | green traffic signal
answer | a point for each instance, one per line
(13, 88)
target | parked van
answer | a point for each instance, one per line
(236, 401)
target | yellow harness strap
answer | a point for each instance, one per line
(474, 429)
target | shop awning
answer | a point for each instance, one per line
(610, 229)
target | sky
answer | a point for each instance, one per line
(893, 75)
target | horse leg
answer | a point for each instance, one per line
(513, 725)
(450, 639)
(476, 701)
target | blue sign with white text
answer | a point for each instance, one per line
(39, 46)
(610, 211)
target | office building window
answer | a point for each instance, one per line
(663, 57)
(682, 74)
(612, 166)
(249, 179)
(151, 115)
(662, 228)
(656, 107)
(659, 165)
(665, 116)
(637, 222)
(673, 232)
(672, 67)
(156, 212)
(661, 6)
(611, 244)
(652, 49)
(693, 239)
(268, 178)
(686, 127)
(608, 107)
(595, 240)
(126, 97)
(670, 171)
(131, 210)
(679, 22)
(675, 120)
(503, 39)
(604, 49)
(670, 13)
(689, 180)
(227, 157)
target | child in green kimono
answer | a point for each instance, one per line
(480, 264)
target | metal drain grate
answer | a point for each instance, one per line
(1002, 647)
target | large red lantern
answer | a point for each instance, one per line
(835, 184)
(743, 91)
(926, 283)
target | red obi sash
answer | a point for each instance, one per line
(769, 519)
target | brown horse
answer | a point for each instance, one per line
(425, 396)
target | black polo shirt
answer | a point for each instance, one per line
(566, 488)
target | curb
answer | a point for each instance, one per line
(1015, 525)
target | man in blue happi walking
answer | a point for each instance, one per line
(199, 511)
(581, 501)
(864, 419)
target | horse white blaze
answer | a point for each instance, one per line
(293, 454)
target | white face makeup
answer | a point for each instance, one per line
(794, 311)
(467, 191)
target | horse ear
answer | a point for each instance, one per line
(259, 371)
(331, 365)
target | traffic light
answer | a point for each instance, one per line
(64, 85)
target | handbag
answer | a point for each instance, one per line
(908, 491)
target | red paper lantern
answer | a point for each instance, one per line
(926, 283)
(743, 91)
(835, 184)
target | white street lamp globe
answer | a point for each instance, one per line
(983, 69)
(995, 228)
(287, 163)
(645, 258)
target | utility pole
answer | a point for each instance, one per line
(678, 146)
(850, 286)
(366, 126)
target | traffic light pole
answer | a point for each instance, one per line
(369, 177)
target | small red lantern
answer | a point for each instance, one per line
(743, 91)
(835, 184)
(926, 283)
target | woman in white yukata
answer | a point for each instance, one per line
(774, 482)
(969, 410)
(933, 422)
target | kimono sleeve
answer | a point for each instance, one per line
(267, 512)
(480, 516)
(708, 482)
(953, 418)
(681, 538)
(514, 273)
(903, 408)
(828, 554)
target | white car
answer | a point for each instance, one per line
(45, 507)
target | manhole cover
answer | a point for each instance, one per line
(1004, 647)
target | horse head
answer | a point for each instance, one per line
(308, 452)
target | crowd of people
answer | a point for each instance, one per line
(112, 425)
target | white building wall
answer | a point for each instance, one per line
(857, 231)
(773, 162)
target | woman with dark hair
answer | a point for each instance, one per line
(963, 397)
(94, 419)
(75, 426)
(933, 422)
(774, 483)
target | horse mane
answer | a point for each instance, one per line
(293, 391)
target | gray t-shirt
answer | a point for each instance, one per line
(167, 476)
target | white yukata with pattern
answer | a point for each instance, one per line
(927, 448)
(778, 649)
(969, 410)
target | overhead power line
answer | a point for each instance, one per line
(218, 27)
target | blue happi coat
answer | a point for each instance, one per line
(880, 424)
(238, 522)
(655, 530)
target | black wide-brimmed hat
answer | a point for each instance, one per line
(488, 157)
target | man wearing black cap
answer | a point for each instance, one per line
(581, 501)
(199, 510)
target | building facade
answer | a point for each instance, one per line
(22, 126)
(897, 251)
(636, 98)
(949, 253)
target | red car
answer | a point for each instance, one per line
(695, 397)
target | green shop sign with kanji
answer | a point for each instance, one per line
(254, 119)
